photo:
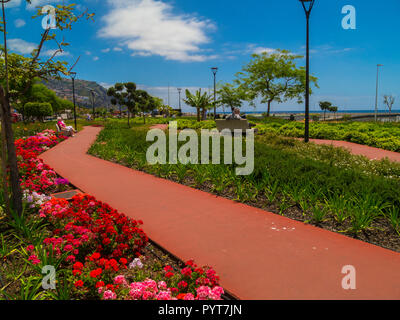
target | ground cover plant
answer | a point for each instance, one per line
(321, 185)
(97, 252)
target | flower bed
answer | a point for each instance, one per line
(98, 250)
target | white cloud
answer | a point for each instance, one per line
(106, 50)
(19, 23)
(21, 46)
(95, 58)
(38, 3)
(259, 50)
(118, 49)
(24, 47)
(12, 4)
(50, 52)
(88, 53)
(150, 27)
(105, 85)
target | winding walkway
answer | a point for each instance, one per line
(258, 255)
(359, 149)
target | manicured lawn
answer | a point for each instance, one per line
(321, 185)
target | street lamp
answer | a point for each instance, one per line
(73, 75)
(92, 92)
(307, 5)
(376, 96)
(214, 71)
(180, 109)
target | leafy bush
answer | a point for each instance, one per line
(38, 110)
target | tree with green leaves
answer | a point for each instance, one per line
(145, 103)
(325, 106)
(274, 77)
(17, 75)
(202, 102)
(231, 96)
(38, 110)
(124, 95)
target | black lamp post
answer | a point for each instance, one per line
(214, 71)
(307, 5)
(94, 115)
(180, 109)
(73, 75)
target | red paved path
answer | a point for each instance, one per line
(369, 152)
(259, 255)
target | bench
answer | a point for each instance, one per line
(233, 124)
(64, 131)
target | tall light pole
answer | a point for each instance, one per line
(307, 5)
(376, 96)
(180, 109)
(214, 71)
(73, 75)
(92, 92)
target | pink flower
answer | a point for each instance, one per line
(34, 259)
(109, 295)
(162, 285)
(147, 295)
(71, 258)
(189, 296)
(203, 292)
(120, 280)
(163, 295)
(30, 248)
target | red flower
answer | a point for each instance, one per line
(169, 274)
(99, 284)
(77, 265)
(187, 272)
(96, 273)
(78, 284)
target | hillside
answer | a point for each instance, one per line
(63, 89)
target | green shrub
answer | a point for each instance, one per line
(38, 110)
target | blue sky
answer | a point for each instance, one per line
(160, 43)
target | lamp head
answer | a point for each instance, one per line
(307, 5)
(72, 75)
(214, 70)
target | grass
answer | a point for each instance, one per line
(317, 184)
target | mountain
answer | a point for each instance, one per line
(83, 96)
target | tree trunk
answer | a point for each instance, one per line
(3, 159)
(129, 125)
(198, 114)
(204, 114)
(269, 107)
(12, 156)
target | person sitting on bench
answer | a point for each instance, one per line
(235, 115)
(61, 124)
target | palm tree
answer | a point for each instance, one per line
(200, 101)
